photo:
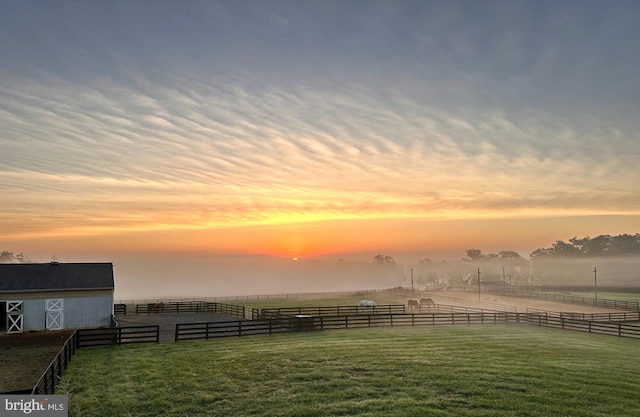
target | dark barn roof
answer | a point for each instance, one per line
(55, 277)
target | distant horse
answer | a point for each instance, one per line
(369, 304)
(426, 302)
(155, 308)
(412, 304)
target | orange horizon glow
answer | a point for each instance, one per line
(328, 238)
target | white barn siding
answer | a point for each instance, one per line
(78, 312)
(82, 312)
(33, 317)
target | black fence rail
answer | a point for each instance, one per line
(192, 331)
(573, 299)
(52, 375)
(623, 316)
(605, 328)
(117, 336)
(120, 309)
(267, 313)
(193, 307)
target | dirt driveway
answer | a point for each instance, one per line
(521, 304)
(25, 356)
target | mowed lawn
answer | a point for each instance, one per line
(497, 370)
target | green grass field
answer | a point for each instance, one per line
(624, 296)
(422, 371)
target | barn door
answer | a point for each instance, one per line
(54, 313)
(14, 316)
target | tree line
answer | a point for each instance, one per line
(564, 263)
(586, 247)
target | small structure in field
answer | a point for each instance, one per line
(54, 296)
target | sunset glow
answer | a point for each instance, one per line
(323, 129)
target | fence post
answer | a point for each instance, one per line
(175, 339)
(239, 329)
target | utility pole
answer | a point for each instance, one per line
(595, 283)
(478, 284)
(413, 288)
(504, 280)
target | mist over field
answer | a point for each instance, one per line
(140, 277)
(196, 277)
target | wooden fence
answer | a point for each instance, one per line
(267, 313)
(119, 309)
(51, 376)
(193, 331)
(189, 307)
(117, 336)
(608, 317)
(607, 328)
(572, 299)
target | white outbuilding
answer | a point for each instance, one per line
(54, 296)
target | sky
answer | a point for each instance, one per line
(310, 129)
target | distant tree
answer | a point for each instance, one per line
(473, 255)
(603, 245)
(624, 245)
(509, 254)
(383, 260)
(7, 257)
(572, 262)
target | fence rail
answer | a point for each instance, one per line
(190, 307)
(193, 331)
(606, 328)
(572, 299)
(117, 336)
(51, 376)
(266, 313)
(622, 316)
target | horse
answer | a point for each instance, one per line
(370, 304)
(412, 304)
(155, 308)
(426, 302)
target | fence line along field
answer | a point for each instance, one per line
(411, 371)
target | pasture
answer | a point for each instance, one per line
(498, 370)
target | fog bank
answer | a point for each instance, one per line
(140, 277)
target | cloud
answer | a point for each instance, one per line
(189, 130)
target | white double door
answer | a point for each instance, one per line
(15, 317)
(54, 315)
(54, 312)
